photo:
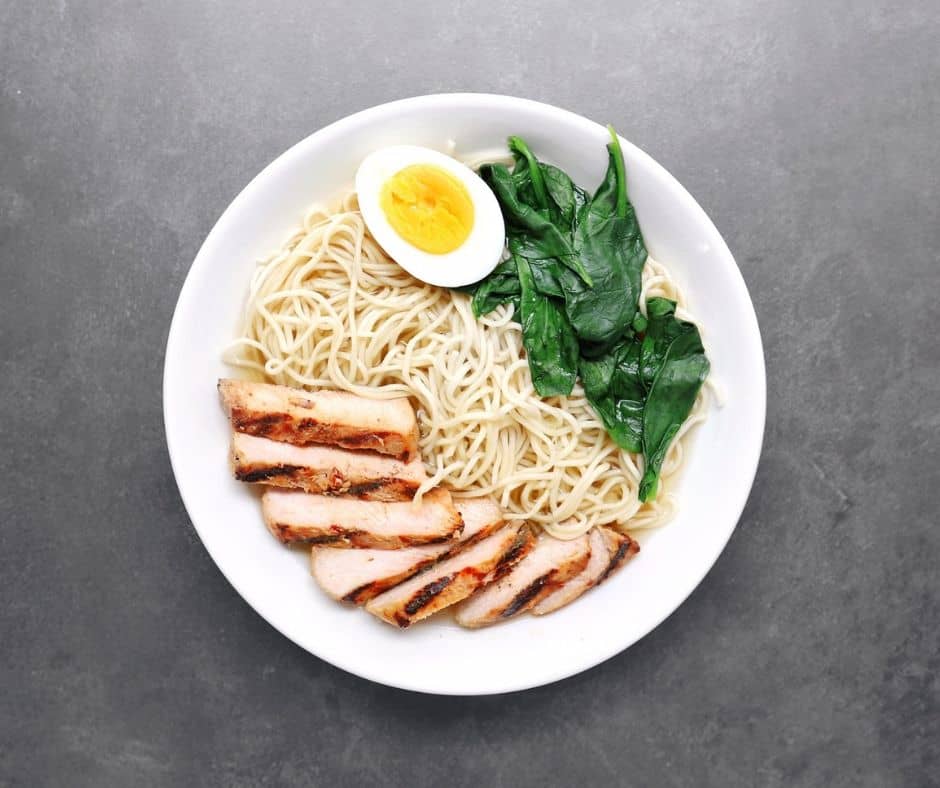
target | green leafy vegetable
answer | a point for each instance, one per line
(545, 272)
(661, 331)
(500, 287)
(574, 277)
(521, 153)
(567, 199)
(669, 401)
(550, 344)
(530, 232)
(608, 241)
(613, 387)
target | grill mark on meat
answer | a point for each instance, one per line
(627, 548)
(263, 474)
(289, 534)
(526, 595)
(425, 596)
(331, 482)
(359, 490)
(362, 594)
(318, 519)
(263, 426)
(523, 544)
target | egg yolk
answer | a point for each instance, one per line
(428, 207)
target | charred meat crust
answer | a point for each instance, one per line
(291, 534)
(424, 597)
(326, 482)
(365, 489)
(365, 592)
(525, 541)
(626, 549)
(362, 594)
(528, 594)
(265, 474)
(304, 432)
(337, 535)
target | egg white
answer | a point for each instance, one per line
(476, 257)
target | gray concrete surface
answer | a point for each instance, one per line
(808, 130)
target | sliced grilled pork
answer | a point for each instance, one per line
(610, 549)
(453, 579)
(481, 516)
(294, 516)
(551, 563)
(585, 579)
(359, 575)
(336, 418)
(320, 469)
(622, 548)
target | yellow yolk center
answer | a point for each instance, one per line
(428, 207)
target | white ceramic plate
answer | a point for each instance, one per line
(436, 656)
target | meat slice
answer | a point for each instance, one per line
(481, 516)
(319, 469)
(621, 547)
(360, 575)
(585, 579)
(336, 418)
(452, 579)
(551, 563)
(294, 516)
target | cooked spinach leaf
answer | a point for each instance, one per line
(529, 231)
(500, 287)
(545, 273)
(613, 387)
(550, 344)
(610, 246)
(528, 172)
(662, 330)
(566, 198)
(680, 371)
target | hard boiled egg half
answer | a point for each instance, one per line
(432, 215)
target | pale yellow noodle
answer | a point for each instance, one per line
(330, 309)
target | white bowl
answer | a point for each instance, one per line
(435, 656)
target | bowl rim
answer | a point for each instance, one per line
(439, 101)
